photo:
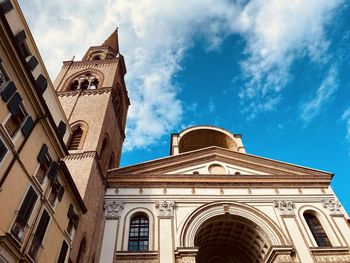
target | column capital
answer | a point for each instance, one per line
(285, 207)
(333, 206)
(113, 208)
(165, 208)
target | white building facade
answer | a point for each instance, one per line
(211, 202)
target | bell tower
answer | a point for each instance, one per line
(94, 98)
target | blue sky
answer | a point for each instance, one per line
(276, 71)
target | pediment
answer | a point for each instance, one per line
(215, 160)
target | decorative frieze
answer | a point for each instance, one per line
(333, 258)
(333, 206)
(285, 207)
(165, 208)
(113, 208)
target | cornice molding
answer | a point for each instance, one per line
(171, 163)
(149, 180)
(78, 156)
(89, 63)
(83, 92)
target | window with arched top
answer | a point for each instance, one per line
(96, 57)
(76, 139)
(85, 81)
(317, 230)
(139, 233)
(94, 84)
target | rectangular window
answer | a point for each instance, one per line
(39, 235)
(3, 150)
(73, 220)
(15, 121)
(24, 214)
(63, 253)
(55, 189)
(43, 168)
(3, 74)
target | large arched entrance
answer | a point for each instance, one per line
(231, 239)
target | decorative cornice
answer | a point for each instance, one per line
(176, 162)
(285, 207)
(83, 92)
(333, 206)
(165, 208)
(89, 63)
(77, 156)
(207, 180)
(113, 208)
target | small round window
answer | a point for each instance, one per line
(216, 169)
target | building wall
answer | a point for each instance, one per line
(128, 201)
(20, 165)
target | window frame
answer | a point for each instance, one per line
(27, 223)
(138, 238)
(20, 125)
(320, 241)
(4, 145)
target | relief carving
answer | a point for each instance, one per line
(165, 208)
(113, 208)
(333, 206)
(285, 207)
(188, 260)
(341, 258)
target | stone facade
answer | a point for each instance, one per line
(220, 204)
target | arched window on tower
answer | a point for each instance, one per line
(75, 141)
(74, 85)
(94, 84)
(317, 230)
(96, 57)
(84, 85)
(139, 233)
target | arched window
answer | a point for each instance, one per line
(94, 84)
(74, 85)
(96, 57)
(75, 141)
(138, 233)
(317, 230)
(111, 161)
(84, 85)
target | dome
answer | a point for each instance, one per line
(198, 137)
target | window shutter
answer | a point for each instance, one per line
(42, 154)
(8, 91)
(20, 37)
(27, 127)
(41, 84)
(61, 129)
(70, 211)
(76, 222)
(32, 63)
(5, 6)
(60, 193)
(52, 172)
(3, 150)
(14, 104)
(27, 205)
(42, 226)
(63, 253)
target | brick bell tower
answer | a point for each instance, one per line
(94, 98)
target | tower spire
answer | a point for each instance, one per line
(112, 41)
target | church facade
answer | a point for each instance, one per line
(211, 202)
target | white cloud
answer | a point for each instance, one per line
(327, 88)
(154, 36)
(277, 33)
